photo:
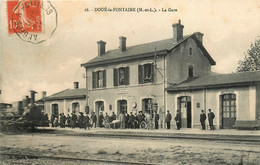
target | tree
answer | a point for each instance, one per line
(251, 61)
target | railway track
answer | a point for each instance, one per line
(84, 160)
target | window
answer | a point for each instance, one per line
(121, 76)
(190, 71)
(190, 51)
(99, 79)
(146, 73)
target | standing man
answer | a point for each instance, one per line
(113, 116)
(100, 120)
(106, 121)
(178, 119)
(73, 120)
(81, 120)
(156, 120)
(86, 121)
(168, 119)
(122, 118)
(131, 120)
(211, 116)
(52, 120)
(139, 119)
(202, 119)
(94, 119)
(126, 120)
(68, 120)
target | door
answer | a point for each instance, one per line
(55, 110)
(121, 106)
(185, 108)
(188, 114)
(228, 110)
(99, 108)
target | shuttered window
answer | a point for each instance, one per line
(94, 79)
(141, 74)
(99, 79)
(146, 73)
(115, 77)
(121, 76)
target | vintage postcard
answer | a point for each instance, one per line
(130, 82)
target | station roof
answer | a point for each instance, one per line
(68, 94)
(144, 50)
(217, 81)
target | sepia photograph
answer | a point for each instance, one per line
(144, 82)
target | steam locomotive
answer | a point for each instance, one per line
(26, 116)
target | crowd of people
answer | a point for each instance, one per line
(135, 121)
(123, 121)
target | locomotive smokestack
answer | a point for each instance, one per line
(44, 94)
(32, 97)
(25, 101)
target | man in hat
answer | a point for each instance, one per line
(139, 119)
(202, 119)
(73, 120)
(156, 120)
(211, 116)
(81, 120)
(168, 119)
(94, 119)
(113, 116)
(178, 119)
(86, 121)
(100, 120)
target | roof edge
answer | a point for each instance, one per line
(133, 57)
(65, 97)
(198, 87)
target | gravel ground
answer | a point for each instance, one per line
(158, 151)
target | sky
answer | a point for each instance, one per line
(229, 27)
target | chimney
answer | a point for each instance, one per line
(76, 85)
(199, 36)
(101, 48)
(44, 94)
(122, 43)
(177, 31)
(32, 97)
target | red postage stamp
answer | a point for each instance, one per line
(33, 21)
(26, 15)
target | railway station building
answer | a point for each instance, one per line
(170, 74)
(66, 101)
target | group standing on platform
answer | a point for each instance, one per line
(125, 120)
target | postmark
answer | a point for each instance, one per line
(33, 21)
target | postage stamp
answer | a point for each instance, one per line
(34, 21)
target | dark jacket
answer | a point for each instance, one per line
(94, 118)
(86, 119)
(74, 117)
(178, 117)
(168, 117)
(101, 118)
(157, 117)
(139, 118)
(131, 118)
(202, 117)
(211, 116)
